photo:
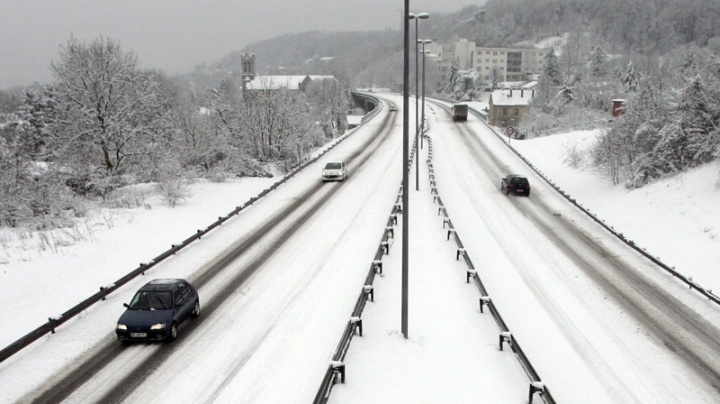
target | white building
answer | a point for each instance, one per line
(505, 64)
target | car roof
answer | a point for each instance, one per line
(162, 284)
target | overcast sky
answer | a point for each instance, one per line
(176, 35)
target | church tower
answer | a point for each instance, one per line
(248, 66)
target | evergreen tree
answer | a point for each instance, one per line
(699, 119)
(598, 59)
(629, 77)
(452, 76)
(551, 69)
(566, 94)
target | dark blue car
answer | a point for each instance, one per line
(157, 310)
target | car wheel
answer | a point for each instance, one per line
(196, 309)
(507, 191)
(173, 332)
(528, 193)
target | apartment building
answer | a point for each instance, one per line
(505, 64)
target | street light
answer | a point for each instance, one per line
(422, 118)
(416, 17)
(406, 179)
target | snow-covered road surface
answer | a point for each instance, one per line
(547, 268)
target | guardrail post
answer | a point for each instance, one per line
(459, 252)
(450, 232)
(369, 292)
(505, 336)
(483, 301)
(103, 288)
(52, 321)
(441, 209)
(338, 368)
(390, 232)
(386, 247)
(536, 387)
(470, 274)
(377, 266)
(357, 324)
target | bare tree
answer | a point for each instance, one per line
(111, 106)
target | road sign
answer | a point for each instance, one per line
(510, 131)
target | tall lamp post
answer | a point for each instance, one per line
(422, 118)
(416, 17)
(406, 179)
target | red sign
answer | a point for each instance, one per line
(510, 131)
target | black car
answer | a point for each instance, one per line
(517, 184)
(157, 310)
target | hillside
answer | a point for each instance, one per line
(628, 28)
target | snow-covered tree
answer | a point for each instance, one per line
(551, 68)
(598, 60)
(629, 77)
(329, 100)
(111, 107)
(452, 76)
(465, 88)
(270, 120)
(566, 94)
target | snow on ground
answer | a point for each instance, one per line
(675, 219)
(41, 279)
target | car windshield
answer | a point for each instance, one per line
(519, 180)
(151, 300)
(333, 166)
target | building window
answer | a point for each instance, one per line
(505, 111)
(494, 52)
(517, 111)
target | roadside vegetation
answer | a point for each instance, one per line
(105, 123)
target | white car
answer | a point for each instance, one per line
(334, 171)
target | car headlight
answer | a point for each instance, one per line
(122, 327)
(158, 326)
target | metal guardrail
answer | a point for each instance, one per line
(655, 260)
(336, 368)
(55, 322)
(374, 111)
(536, 384)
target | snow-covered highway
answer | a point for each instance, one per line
(599, 322)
